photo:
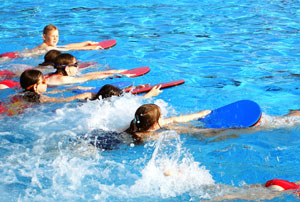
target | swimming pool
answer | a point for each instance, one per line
(225, 51)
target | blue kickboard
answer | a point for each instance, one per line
(120, 84)
(240, 114)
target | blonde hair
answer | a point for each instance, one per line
(49, 28)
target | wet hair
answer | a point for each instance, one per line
(61, 61)
(30, 77)
(108, 91)
(145, 117)
(49, 57)
(49, 28)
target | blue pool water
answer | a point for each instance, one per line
(225, 51)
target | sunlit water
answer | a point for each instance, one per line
(225, 51)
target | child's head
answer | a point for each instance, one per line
(66, 64)
(33, 80)
(50, 35)
(146, 116)
(108, 91)
(49, 57)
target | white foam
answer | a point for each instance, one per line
(171, 171)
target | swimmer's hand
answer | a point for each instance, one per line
(122, 74)
(204, 113)
(172, 172)
(93, 45)
(142, 86)
(153, 92)
(116, 71)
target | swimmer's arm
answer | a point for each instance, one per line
(69, 89)
(153, 92)
(187, 129)
(70, 80)
(184, 118)
(113, 73)
(108, 72)
(86, 45)
(80, 44)
(254, 196)
(46, 99)
(2, 86)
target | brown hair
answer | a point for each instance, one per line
(145, 117)
(49, 57)
(61, 61)
(29, 77)
(108, 91)
(49, 28)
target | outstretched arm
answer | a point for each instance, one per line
(86, 45)
(69, 89)
(46, 99)
(108, 72)
(69, 80)
(153, 92)
(184, 118)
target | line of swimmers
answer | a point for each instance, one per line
(147, 121)
(147, 118)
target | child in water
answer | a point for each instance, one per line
(34, 84)
(66, 67)
(50, 40)
(148, 120)
(108, 91)
(49, 58)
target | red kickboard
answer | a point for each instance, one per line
(148, 87)
(6, 73)
(12, 55)
(106, 44)
(139, 71)
(9, 83)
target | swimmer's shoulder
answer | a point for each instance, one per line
(56, 79)
(44, 47)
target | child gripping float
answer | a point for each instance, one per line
(147, 123)
(50, 40)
